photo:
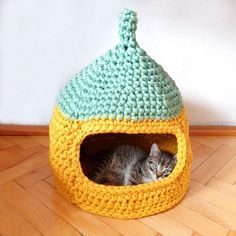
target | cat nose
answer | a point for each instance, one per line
(159, 173)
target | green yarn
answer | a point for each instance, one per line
(123, 83)
(127, 28)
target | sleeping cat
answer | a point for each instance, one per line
(129, 165)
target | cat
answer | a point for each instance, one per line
(129, 165)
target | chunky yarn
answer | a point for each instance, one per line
(125, 83)
(123, 91)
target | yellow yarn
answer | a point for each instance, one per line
(122, 92)
(125, 202)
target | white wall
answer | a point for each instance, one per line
(44, 43)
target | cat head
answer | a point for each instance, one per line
(160, 163)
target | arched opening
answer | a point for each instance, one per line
(97, 143)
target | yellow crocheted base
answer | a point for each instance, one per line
(125, 202)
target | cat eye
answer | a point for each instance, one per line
(166, 172)
(154, 166)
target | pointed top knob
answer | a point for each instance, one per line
(127, 27)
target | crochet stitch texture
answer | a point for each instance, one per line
(125, 83)
(122, 92)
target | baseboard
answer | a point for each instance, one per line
(34, 130)
(212, 130)
(26, 130)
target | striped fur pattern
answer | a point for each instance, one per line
(129, 165)
(124, 91)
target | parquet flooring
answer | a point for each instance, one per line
(30, 204)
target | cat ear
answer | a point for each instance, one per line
(154, 150)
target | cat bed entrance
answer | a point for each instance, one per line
(93, 144)
(124, 92)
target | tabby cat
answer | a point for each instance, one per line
(129, 165)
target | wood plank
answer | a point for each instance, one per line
(228, 172)
(24, 142)
(222, 186)
(212, 165)
(50, 180)
(13, 224)
(210, 204)
(43, 140)
(201, 154)
(4, 143)
(196, 221)
(194, 144)
(129, 227)
(210, 141)
(158, 234)
(11, 156)
(166, 225)
(196, 234)
(34, 176)
(35, 212)
(230, 140)
(84, 222)
(126, 228)
(211, 211)
(15, 155)
(218, 198)
(231, 233)
(24, 167)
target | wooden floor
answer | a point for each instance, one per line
(30, 205)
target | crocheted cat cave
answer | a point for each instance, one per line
(122, 97)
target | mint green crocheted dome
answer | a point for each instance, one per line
(124, 83)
